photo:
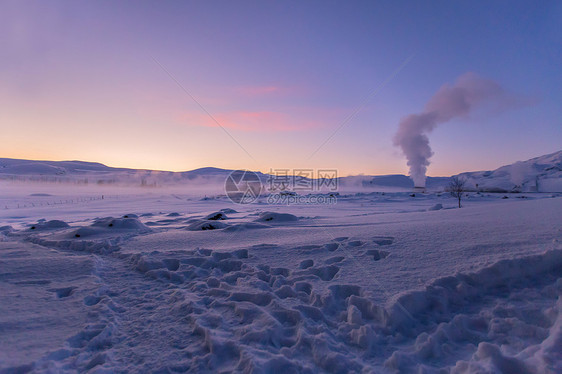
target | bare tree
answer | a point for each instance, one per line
(457, 187)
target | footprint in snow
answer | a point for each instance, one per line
(377, 254)
(355, 243)
(383, 240)
(333, 260)
(63, 292)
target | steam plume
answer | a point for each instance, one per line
(449, 102)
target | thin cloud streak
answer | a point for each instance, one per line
(258, 90)
(253, 121)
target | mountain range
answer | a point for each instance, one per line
(539, 174)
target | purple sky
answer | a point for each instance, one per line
(79, 81)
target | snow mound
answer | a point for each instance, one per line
(103, 236)
(49, 225)
(216, 216)
(206, 225)
(84, 232)
(6, 229)
(436, 207)
(121, 224)
(502, 308)
(276, 217)
(448, 292)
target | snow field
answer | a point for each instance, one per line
(293, 290)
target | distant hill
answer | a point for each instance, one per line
(29, 167)
(93, 172)
(543, 174)
(539, 174)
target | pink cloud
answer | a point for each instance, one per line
(258, 90)
(270, 91)
(253, 121)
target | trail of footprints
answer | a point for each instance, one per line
(270, 306)
(235, 305)
(226, 311)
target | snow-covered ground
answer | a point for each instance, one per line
(154, 280)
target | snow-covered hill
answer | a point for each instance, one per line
(539, 174)
(92, 172)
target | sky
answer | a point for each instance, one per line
(265, 85)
